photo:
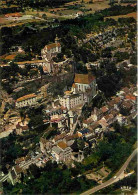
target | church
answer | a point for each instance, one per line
(83, 90)
(48, 52)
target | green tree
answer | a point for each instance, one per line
(36, 121)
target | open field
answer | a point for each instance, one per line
(66, 11)
(61, 13)
(133, 14)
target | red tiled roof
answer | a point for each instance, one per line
(26, 97)
(53, 45)
(84, 78)
(18, 169)
(104, 109)
(10, 57)
(61, 136)
(13, 15)
(71, 137)
(108, 117)
(130, 97)
(89, 120)
(62, 145)
(19, 160)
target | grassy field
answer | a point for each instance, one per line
(63, 12)
(133, 14)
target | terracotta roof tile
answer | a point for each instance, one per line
(71, 137)
(61, 136)
(62, 145)
(19, 160)
(10, 57)
(53, 45)
(18, 169)
(29, 96)
(130, 97)
(13, 15)
(104, 109)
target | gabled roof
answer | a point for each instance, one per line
(29, 96)
(83, 78)
(72, 137)
(104, 109)
(130, 97)
(18, 169)
(52, 45)
(61, 136)
(62, 145)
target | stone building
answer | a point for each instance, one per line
(27, 100)
(62, 152)
(83, 90)
(50, 51)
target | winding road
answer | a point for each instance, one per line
(119, 175)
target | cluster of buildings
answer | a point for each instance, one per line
(121, 109)
(61, 147)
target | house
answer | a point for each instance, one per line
(96, 114)
(45, 145)
(16, 15)
(131, 97)
(20, 128)
(88, 122)
(127, 104)
(60, 120)
(94, 126)
(20, 161)
(15, 174)
(27, 100)
(122, 120)
(83, 132)
(105, 110)
(61, 152)
(110, 119)
(103, 123)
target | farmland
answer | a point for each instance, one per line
(133, 14)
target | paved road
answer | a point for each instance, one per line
(119, 175)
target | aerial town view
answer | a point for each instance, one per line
(68, 96)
